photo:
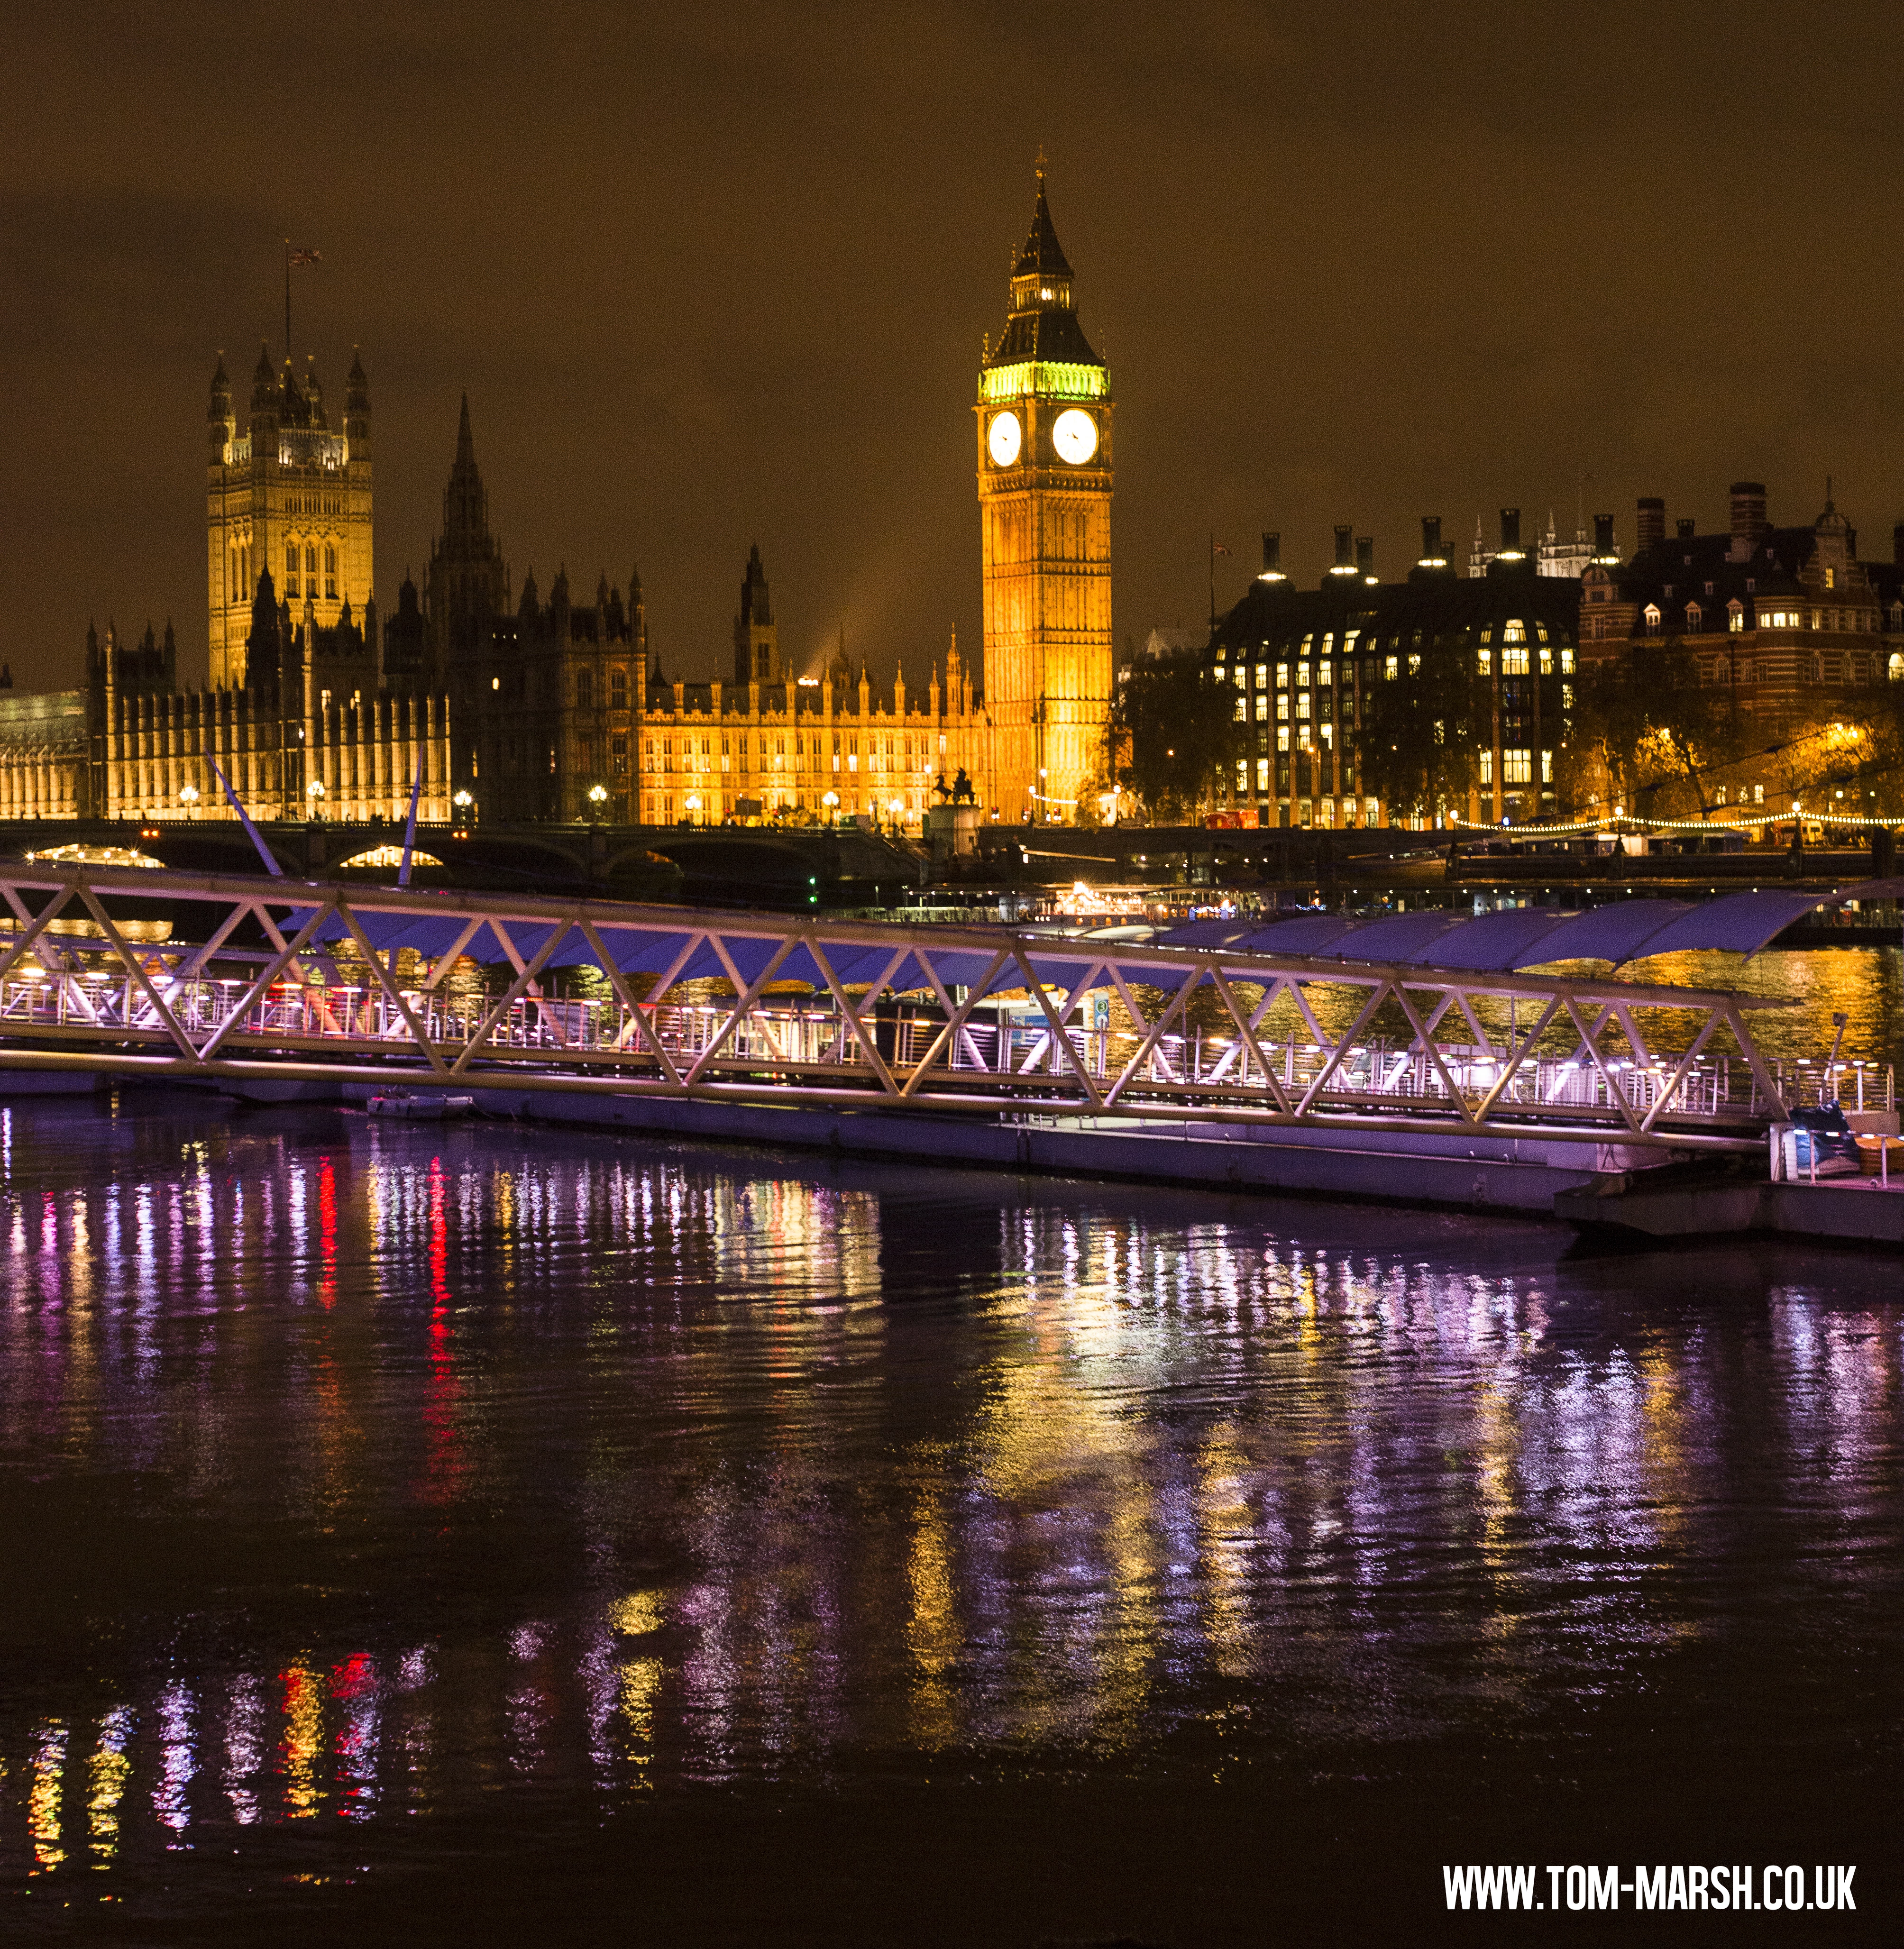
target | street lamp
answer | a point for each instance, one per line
(462, 802)
(598, 798)
(314, 792)
(188, 798)
(831, 802)
(691, 805)
(896, 808)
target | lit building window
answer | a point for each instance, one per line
(1262, 676)
(1513, 662)
(1487, 767)
(1282, 676)
(1652, 618)
(1484, 663)
(1567, 662)
(1262, 708)
(1516, 768)
(1391, 668)
(1547, 768)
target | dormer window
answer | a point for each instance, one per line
(1653, 617)
(1735, 615)
(1695, 617)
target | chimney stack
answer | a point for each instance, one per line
(1431, 538)
(1651, 532)
(1365, 556)
(1510, 531)
(1686, 528)
(1344, 547)
(1603, 536)
(1272, 552)
(1897, 544)
(1749, 520)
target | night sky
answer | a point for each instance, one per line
(718, 276)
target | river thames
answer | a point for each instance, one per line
(488, 1533)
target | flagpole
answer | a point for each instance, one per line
(288, 300)
(1212, 546)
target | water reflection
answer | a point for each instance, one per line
(504, 1462)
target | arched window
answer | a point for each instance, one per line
(1735, 615)
(290, 568)
(1897, 667)
(584, 690)
(1695, 618)
(618, 689)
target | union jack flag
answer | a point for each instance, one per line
(305, 257)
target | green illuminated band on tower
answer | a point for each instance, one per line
(1049, 381)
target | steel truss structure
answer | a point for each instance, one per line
(799, 1010)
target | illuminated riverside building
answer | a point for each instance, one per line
(1306, 666)
(300, 712)
(1788, 620)
(556, 700)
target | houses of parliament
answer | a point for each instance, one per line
(499, 705)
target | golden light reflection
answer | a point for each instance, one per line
(303, 1709)
(931, 1625)
(637, 1685)
(637, 1613)
(1224, 1526)
(44, 1795)
(108, 1771)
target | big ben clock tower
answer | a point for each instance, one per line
(1044, 505)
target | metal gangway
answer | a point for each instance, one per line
(158, 973)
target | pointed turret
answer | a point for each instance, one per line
(264, 395)
(263, 648)
(357, 410)
(219, 426)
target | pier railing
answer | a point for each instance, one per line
(312, 980)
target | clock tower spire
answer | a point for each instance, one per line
(1044, 504)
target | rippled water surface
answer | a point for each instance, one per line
(452, 1534)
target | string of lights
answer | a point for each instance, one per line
(1751, 818)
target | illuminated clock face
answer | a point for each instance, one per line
(1073, 432)
(1004, 438)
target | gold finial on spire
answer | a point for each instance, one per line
(1041, 165)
